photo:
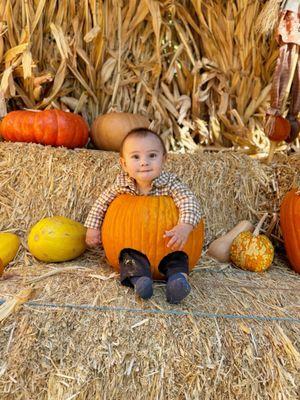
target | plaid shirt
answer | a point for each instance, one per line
(166, 184)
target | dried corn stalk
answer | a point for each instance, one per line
(194, 67)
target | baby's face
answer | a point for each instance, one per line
(143, 158)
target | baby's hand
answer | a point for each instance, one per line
(179, 236)
(92, 238)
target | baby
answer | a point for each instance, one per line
(142, 157)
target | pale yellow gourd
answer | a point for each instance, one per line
(219, 249)
(9, 245)
(57, 239)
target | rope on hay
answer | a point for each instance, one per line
(199, 314)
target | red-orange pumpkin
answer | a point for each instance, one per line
(49, 127)
(290, 227)
(139, 222)
(108, 130)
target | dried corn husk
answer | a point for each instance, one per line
(142, 57)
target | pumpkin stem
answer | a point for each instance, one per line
(259, 225)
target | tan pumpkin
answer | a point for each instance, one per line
(252, 251)
(108, 130)
(57, 239)
(139, 222)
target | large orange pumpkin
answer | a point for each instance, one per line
(139, 222)
(49, 127)
(108, 130)
(290, 227)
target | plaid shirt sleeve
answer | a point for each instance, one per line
(98, 210)
(187, 203)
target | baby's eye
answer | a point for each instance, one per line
(153, 155)
(135, 156)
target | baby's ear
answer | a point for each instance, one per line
(165, 157)
(122, 162)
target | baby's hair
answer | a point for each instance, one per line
(142, 132)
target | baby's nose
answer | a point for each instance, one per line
(144, 162)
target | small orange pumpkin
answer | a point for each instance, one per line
(290, 227)
(108, 130)
(139, 222)
(251, 251)
(49, 127)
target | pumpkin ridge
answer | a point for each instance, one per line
(160, 221)
(143, 234)
(75, 130)
(290, 227)
(297, 229)
(131, 212)
(117, 223)
(79, 139)
(58, 127)
(19, 129)
(76, 126)
(287, 210)
(34, 130)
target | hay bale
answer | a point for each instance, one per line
(84, 336)
(38, 181)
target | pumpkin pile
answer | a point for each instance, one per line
(137, 222)
(140, 222)
(49, 127)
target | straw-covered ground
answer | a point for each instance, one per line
(81, 335)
